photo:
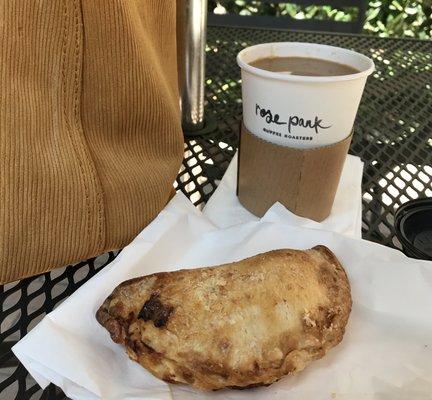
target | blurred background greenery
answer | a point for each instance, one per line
(383, 18)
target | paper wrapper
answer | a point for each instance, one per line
(304, 180)
(386, 352)
(224, 208)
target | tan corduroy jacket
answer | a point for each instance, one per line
(90, 136)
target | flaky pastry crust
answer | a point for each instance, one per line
(237, 325)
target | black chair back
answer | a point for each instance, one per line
(286, 22)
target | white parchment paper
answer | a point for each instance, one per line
(386, 353)
(224, 208)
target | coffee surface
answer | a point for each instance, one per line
(303, 66)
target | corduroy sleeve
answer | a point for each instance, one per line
(90, 136)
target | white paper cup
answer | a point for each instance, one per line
(301, 111)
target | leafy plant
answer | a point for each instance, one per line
(383, 17)
(400, 18)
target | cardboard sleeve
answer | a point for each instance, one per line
(303, 180)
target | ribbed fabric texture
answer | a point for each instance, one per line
(90, 136)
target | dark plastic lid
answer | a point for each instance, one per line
(413, 225)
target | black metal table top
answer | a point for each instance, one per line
(393, 136)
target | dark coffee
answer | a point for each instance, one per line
(303, 66)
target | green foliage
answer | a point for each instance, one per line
(383, 17)
(400, 18)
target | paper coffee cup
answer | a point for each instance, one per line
(301, 111)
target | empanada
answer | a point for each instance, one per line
(237, 325)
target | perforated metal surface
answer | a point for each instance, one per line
(392, 135)
(22, 305)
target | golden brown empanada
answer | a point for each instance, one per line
(237, 325)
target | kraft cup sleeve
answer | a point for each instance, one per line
(303, 180)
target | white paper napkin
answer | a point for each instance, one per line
(386, 353)
(224, 208)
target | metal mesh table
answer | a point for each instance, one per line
(393, 136)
